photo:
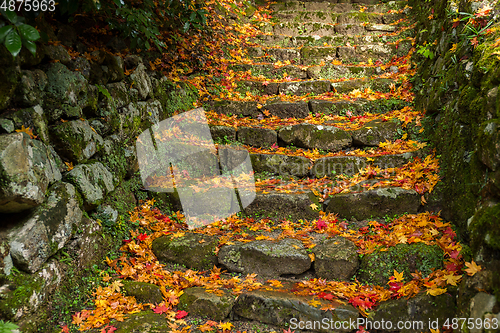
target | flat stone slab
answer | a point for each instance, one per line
(274, 54)
(304, 28)
(336, 259)
(286, 309)
(338, 107)
(279, 164)
(270, 259)
(271, 72)
(143, 292)
(257, 136)
(197, 301)
(223, 133)
(187, 250)
(305, 87)
(287, 109)
(315, 136)
(298, 205)
(374, 203)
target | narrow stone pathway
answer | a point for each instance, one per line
(339, 229)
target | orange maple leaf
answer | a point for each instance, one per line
(27, 130)
(472, 268)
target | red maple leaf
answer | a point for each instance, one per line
(142, 237)
(111, 329)
(321, 224)
(326, 296)
(160, 309)
(181, 314)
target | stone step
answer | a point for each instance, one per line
(301, 109)
(325, 29)
(332, 17)
(270, 204)
(283, 308)
(313, 55)
(328, 71)
(370, 6)
(373, 203)
(337, 40)
(309, 136)
(315, 87)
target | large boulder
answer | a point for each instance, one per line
(27, 167)
(93, 181)
(142, 82)
(76, 140)
(30, 90)
(266, 258)
(195, 251)
(47, 230)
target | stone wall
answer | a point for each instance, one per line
(84, 111)
(457, 84)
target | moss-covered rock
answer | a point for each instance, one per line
(278, 164)
(144, 322)
(197, 301)
(282, 309)
(257, 136)
(11, 75)
(269, 259)
(315, 136)
(374, 132)
(76, 140)
(64, 87)
(484, 228)
(298, 205)
(379, 266)
(143, 292)
(305, 87)
(374, 203)
(287, 109)
(336, 258)
(195, 251)
(419, 310)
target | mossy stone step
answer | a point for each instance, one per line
(336, 40)
(282, 308)
(325, 29)
(373, 6)
(270, 71)
(377, 84)
(351, 165)
(374, 203)
(278, 205)
(311, 136)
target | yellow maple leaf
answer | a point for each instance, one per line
(69, 165)
(434, 291)
(398, 276)
(225, 326)
(312, 256)
(314, 303)
(178, 234)
(313, 206)
(452, 279)
(472, 268)
(26, 130)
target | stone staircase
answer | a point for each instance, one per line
(321, 92)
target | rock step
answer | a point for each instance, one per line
(311, 55)
(315, 87)
(325, 29)
(370, 6)
(310, 136)
(337, 40)
(301, 109)
(277, 307)
(328, 71)
(332, 17)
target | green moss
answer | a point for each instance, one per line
(485, 228)
(23, 286)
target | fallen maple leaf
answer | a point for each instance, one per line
(225, 326)
(320, 224)
(398, 277)
(181, 314)
(161, 308)
(111, 329)
(436, 291)
(472, 268)
(26, 130)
